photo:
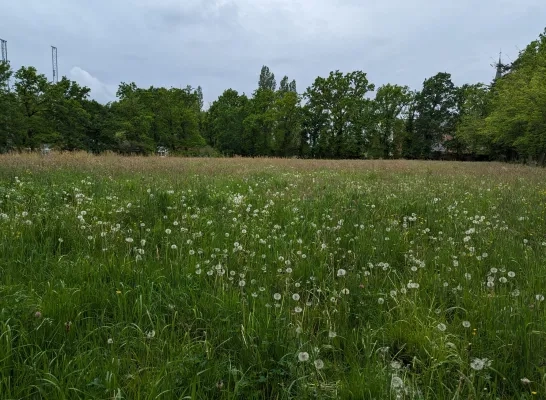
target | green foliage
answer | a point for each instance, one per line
(259, 124)
(474, 107)
(267, 79)
(10, 117)
(517, 121)
(341, 111)
(334, 118)
(288, 115)
(390, 109)
(224, 122)
(434, 116)
(270, 279)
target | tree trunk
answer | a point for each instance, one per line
(542, 159)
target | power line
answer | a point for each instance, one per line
(54, 64)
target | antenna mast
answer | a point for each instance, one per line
(4, 46)
(4, 50)
(54, 63)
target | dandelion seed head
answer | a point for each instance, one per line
(319, 364)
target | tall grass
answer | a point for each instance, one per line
(147, 278)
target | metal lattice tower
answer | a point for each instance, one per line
(4, 45)
(54, 63)
(4, 50)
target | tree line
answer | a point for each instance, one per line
(342, 115)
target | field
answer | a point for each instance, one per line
(168, 278)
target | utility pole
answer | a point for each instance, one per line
(54, 64)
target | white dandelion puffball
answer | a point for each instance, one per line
(478, 364)
(303, 356)
(397, 383)
(319, 364)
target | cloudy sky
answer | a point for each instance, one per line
(220, 44)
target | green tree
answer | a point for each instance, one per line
(287, 129)
(132, 122)
(517, 123)
(10, 117)
(292, 86)
(67, 118)
(260, 124)
(435, 116)
(284, 86)
(99, 133)
(474, 107)
(31, 89)
(390, 105)
(146, 118)
(267, 79)
(224, 122)
(338, 104)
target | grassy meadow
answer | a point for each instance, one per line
(171, 278)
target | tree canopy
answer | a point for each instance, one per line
(338, 116)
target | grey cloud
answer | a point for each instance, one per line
(220, 44)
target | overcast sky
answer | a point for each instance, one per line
(222, 44)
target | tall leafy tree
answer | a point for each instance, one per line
(99, 133)
(224, 122)
(9, 112)
(340, 107)
(435, 116)
(474, 106)
(260, 123)
(284, 86)
(517, 122)
(292, 86)
(287, 86)
(288, 117)
(390, 106)
(199, 94)
(267, 79)
(32, 89)
(133, 122)
(66, 114)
